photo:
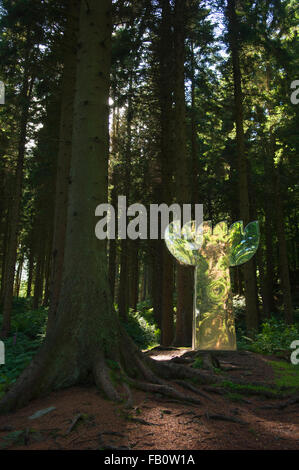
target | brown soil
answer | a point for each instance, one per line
(156, 422)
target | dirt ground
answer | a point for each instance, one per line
(84, 419)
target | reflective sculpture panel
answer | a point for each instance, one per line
(212, 252)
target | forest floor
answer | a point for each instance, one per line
(226, 419)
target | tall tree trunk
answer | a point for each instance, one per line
(194, 144)
(273, 175)
(39, 274)
(156, 279)
(64, 155)
(123, 295)
(114, 179)
(18, 276)
(85, 328)
(4, 257)
(185, 275)
(269, 202)
(134, 274)
(30, 268)
(283, 254)
(87, 336)
(167, 163)
(252, 315)
(25, 98)
(46, 297)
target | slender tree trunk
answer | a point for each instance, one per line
(112, 266)
(30, 270)
(25, 97)
(123, 296)
(18, 277)
(283, 254)
(134, 274)
(39, 274)
(143, 289)
(4, 257)
(156, 279)
(64, 156)
(112, 242)
(185, 275)
(269, 203)
(47, 272)
(194, 143)
(167, 163)
(248, 268)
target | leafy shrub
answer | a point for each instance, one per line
(19, 351)
(275, 335)
(32, 323)
(144, 333)
(146, 310)
(27, 332)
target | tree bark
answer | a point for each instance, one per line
(167, 163)
(123, 304)
(25, 98)
(248, 268)
(18, 276)
(185, 275)
(39, 274)
(87, 335)
(30, 267)
(64, 156)
(283, 254)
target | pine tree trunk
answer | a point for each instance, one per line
(25, 97)
(194, 144)
(30, 270)
(185, 275)
(18, 277)
(248, 268)
(87, 335)
(112, 242)
(283, 254)
(123, 295)
(167, 164)
(86, 327)
(156, 279)
(134, 274)
(39, 275)
(4, 257)
(46, 297)
(64, 156)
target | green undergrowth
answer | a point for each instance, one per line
(286, 375)
(197, 363)
(249, 388)
(274, 337)
(281, 389)
(141, 326)
(27, 333)
(28, 329)
(234, 396)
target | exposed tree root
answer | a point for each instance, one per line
(220, 417)
(281, 406)
(178, 371)
(102, 379)
(114, 375)
(191, 387)
(165, 390)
